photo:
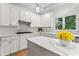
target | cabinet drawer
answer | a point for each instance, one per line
(8, 39)
(15, 38)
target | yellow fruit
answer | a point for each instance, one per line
(65, 35)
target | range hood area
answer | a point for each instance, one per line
(24, 22)
(24, 27)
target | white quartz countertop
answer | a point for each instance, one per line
(52, 45)
(76, 35)
(7, 35)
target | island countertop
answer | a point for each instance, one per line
(54, 33)
(51, 44)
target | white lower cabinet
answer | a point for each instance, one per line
(9, 45)
(5, 46)
(14, 44)
(23, 42)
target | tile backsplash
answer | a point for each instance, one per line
(5, 30)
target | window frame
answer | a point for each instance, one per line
(63, 23)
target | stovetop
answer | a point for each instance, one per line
(22, 32)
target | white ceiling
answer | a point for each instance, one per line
(32, 6)
(44, 7)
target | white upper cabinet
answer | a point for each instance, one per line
(4, 14)
(41, 20)
(9, 14)
(28, 16)
(25, 15)
(45, 20)
(35, 20)
(22, 15)
(14, 15)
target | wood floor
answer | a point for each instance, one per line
(23, 52)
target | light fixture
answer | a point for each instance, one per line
(37, 9)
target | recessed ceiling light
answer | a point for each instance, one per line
(37, 9)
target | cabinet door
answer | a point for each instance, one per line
(25, 15)
(35, 20)
(5, 46)
(28, 16)
(5, 14)
(14, 15)
(22, 15)
(14, 44)
(23, 42)
(45, 20)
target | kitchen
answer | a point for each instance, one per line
(20, 22)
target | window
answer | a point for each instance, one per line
(59, 23)
(68, 22)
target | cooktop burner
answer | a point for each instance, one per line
(22, 32)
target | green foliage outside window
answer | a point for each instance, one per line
(59, 23)
(70, 22)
